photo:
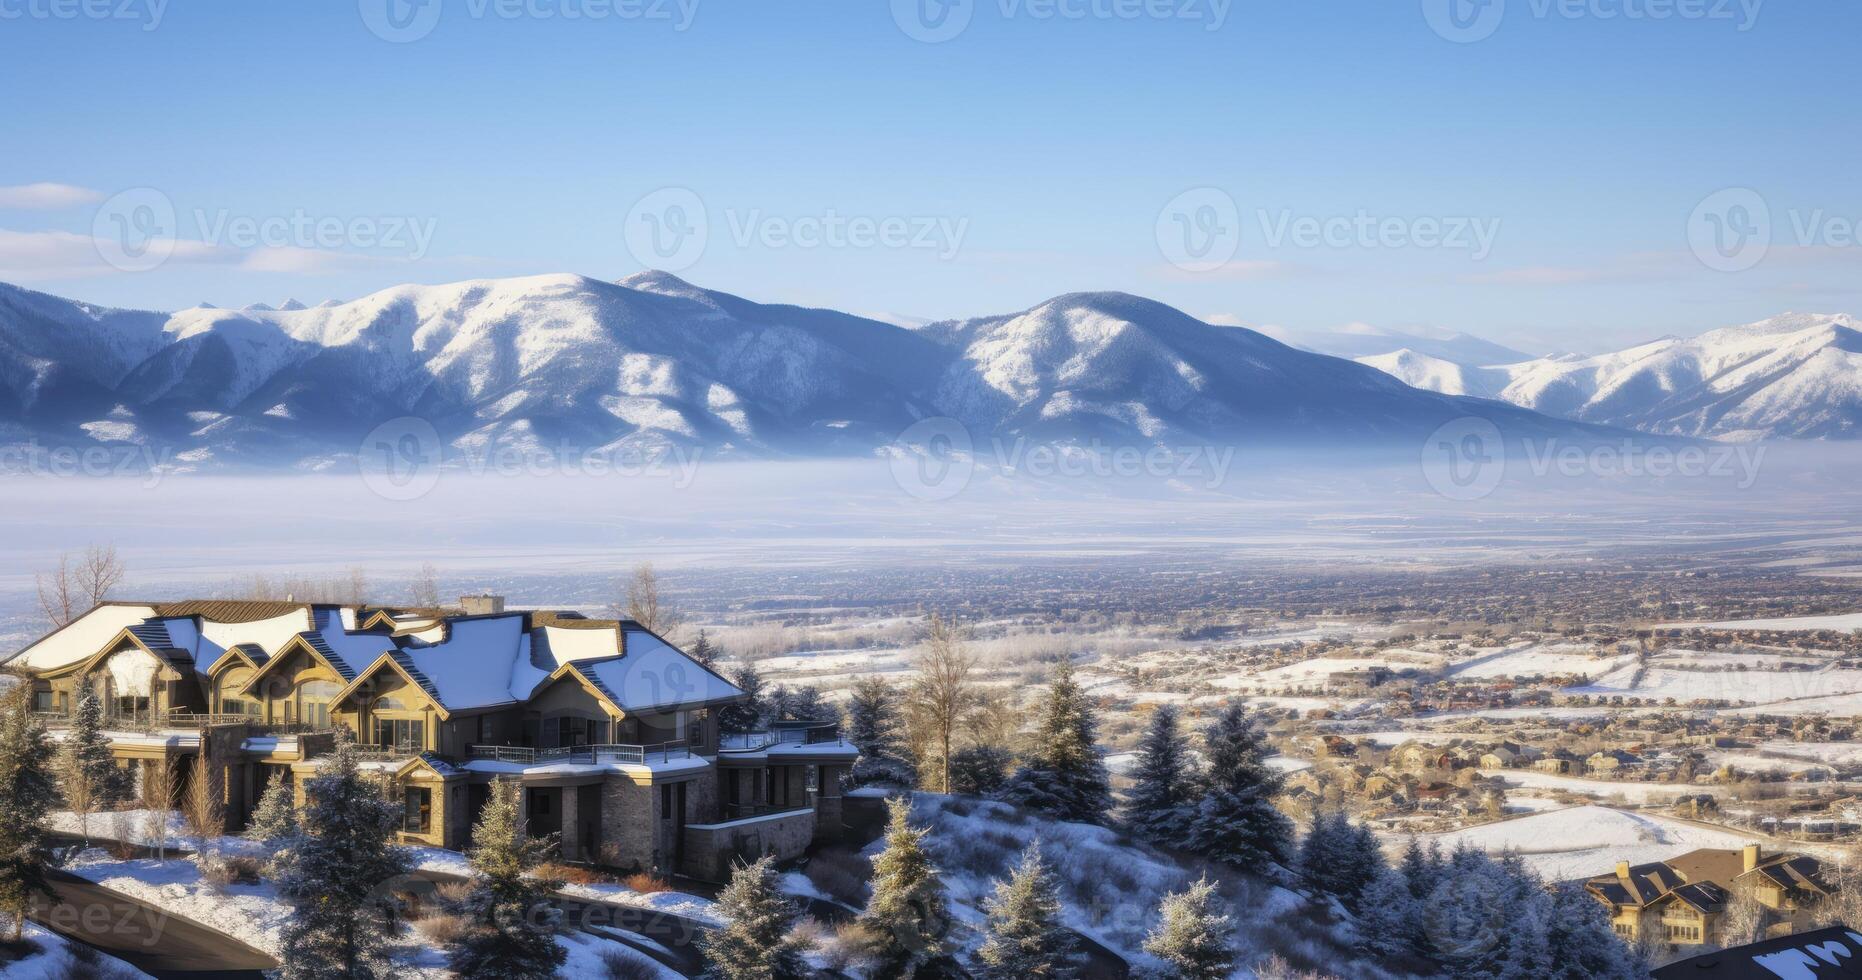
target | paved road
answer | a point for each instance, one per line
(153, 941)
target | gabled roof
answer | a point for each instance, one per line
(1794, 872)
(1643, 884)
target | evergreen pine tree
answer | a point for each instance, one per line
(1023, 936)
(1236, 820)
(1162, 798)
(1192, 934)
(1064, 776)
(27, 794)
(874, 726)
(275, 818)
(980, 770)
(702, 650)
(1387, 921)
(1582, 944)
(1419, 873)
(906, 915)
(335, 874)
(514, 928)
(90, 748)
(756, 944)
(747, 715)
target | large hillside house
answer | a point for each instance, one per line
(1682, 901)
(612, 731)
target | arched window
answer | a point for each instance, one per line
(390, 703)
(313, 702)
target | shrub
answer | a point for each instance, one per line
(624, 966)
(441, 929)
(647, 884)
(573, 874)
(453, 895)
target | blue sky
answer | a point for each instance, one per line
(1536, 186)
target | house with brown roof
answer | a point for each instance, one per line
(612, 732)
(1681, 901)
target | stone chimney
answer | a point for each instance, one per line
(1751, 854)
(1622, 869)
(481, 605)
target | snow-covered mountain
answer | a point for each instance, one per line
(1794, 376)
(563, 363)
(1361, 341)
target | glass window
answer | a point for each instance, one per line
(314, 702)
(41, 700)
(389, 704)
(406, 734)
(419, 814)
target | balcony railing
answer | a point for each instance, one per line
(634, 755)
(781, 733)
(157, 722)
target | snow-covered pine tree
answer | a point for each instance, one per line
(907, 914)
(747, 715)
(874, 726)
(1064, 776)
(1236, 820)
(757, 943)
(1387, 920)
(513, 933)
(275, 818)
(1193, 934)
(1162, 798)
(91, 750)
(1583, 946)
(1023, 936)
(1419, 872)
(335, 875)
(27, 794)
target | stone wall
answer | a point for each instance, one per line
(712, 849)
(627, 824)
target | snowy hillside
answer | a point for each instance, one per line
(563, 363)
(1796, 376)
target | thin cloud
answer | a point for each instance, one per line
(1238, 270)
(46, 196)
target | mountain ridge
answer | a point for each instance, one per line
(563, 363)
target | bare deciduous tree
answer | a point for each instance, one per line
(74, 587)
(158, 798)
(644, 605)
(205, 816)
(426, 590)
(941, 695)
(74, 780)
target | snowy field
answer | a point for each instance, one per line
(1842, 623)
(56, 960)
(1755, 686)
(1540, 660)
(1579, 842)
(1602, 788)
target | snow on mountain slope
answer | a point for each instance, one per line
(1793, 376)
(1359, 341)
(566, 364)
(1419, 370)
(1127, 369)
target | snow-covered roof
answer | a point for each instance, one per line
(461, 662)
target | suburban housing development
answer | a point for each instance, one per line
(613, 733)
